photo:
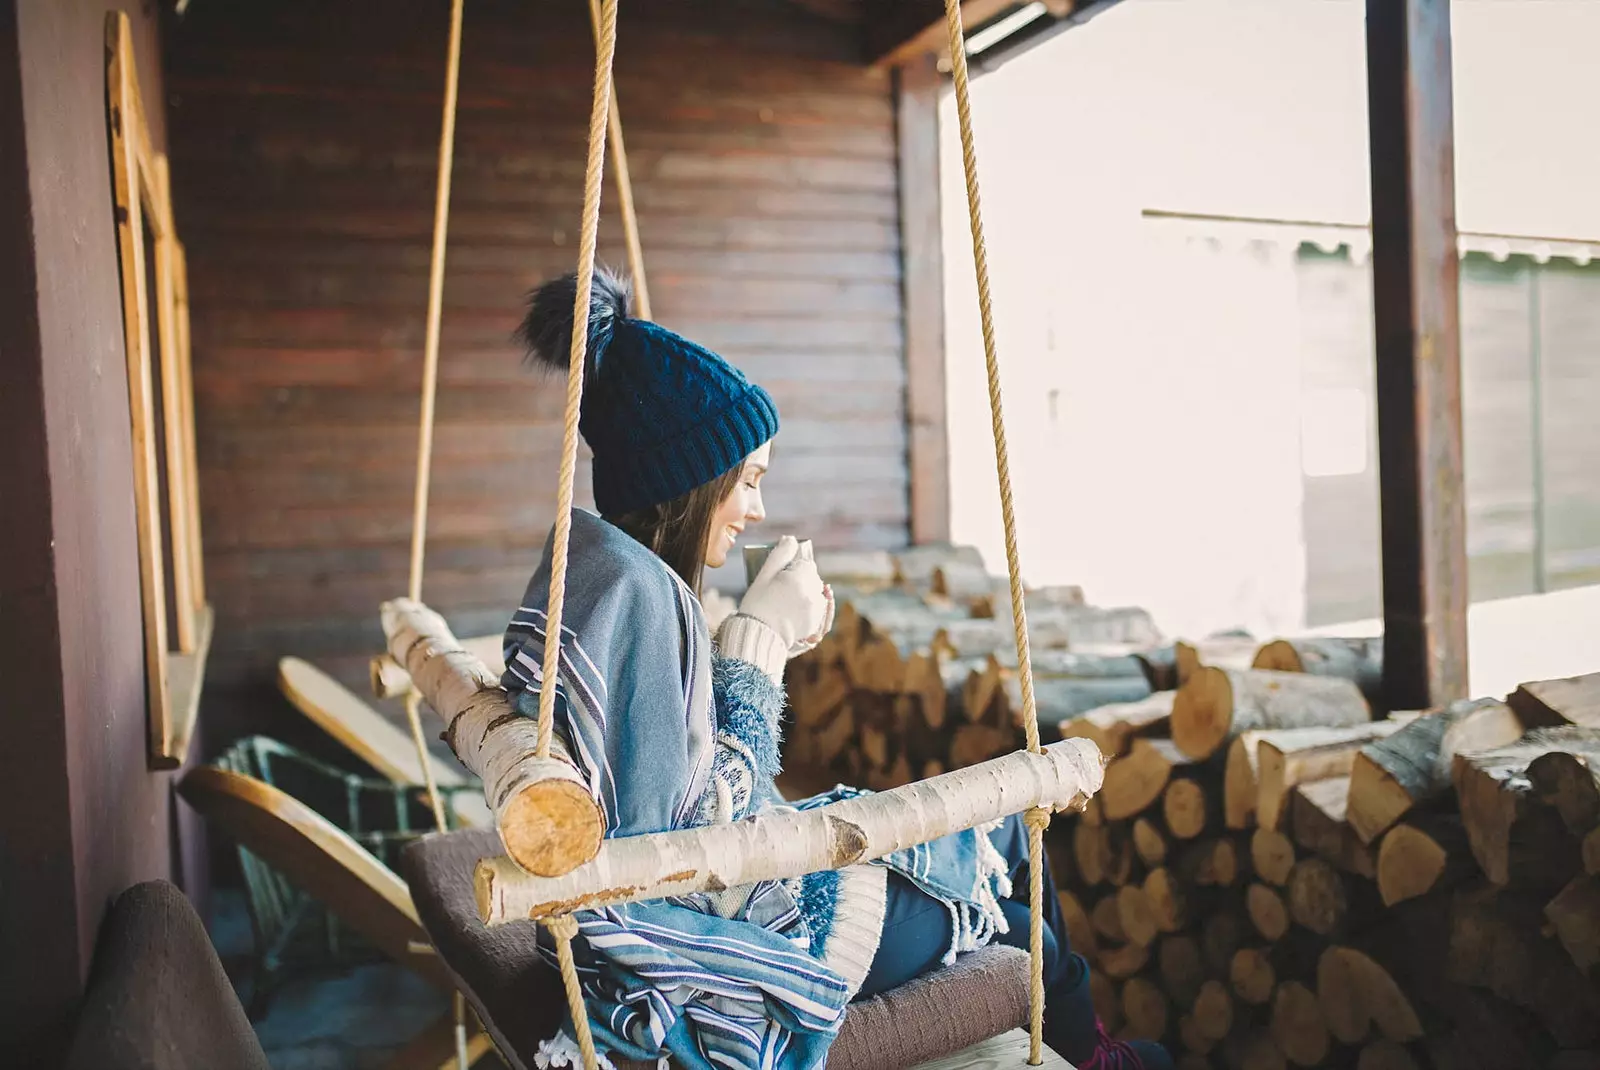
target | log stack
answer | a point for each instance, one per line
(1278, 873)
(918, 675)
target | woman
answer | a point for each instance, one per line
(674, 730)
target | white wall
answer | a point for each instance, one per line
(1152, 385)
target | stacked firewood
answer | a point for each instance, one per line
(1278, 873)
(918, 674)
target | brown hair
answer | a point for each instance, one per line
(677, 531)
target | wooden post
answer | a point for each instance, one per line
(1416, 310)
(917, 86)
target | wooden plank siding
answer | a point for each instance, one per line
(304, 140)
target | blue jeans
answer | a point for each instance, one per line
(916, 934)
(916, 927)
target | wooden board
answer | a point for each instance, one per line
(1004, 1052)
(371, 736)
(319, 858)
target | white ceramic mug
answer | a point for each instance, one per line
(756, 556)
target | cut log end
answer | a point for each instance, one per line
(1317, 897)
(1202, 712)
(1267, 912)
(1377, 799)
(551, 827)
(1213, 1010)
(1145, 1008)
(1148, 842)
(1138, 916)
(1344, 1007)
(1168, 904)
(1182, 969)
(1415, 859)
(1252, 976)
(1184, 805)
(1385, 1055)
(1279, 656)
(1272, 854)
(1298, 1026)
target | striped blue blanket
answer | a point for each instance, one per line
(758, 976)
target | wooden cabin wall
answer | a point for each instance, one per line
(84, 816)
(305, 143)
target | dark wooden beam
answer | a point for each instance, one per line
(917, 86)
(1416, 315)
(898, 31)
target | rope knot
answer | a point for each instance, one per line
(562, 926)
(1037, 818)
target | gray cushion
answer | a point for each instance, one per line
(521, 1001)
(158, 998)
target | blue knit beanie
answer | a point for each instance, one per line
(661, 414)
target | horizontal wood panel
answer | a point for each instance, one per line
(303, 254)
(323, 141)
(333, 325)
(487, 517)
(267, 488)
(309, 364)
(466, 293)
(387, 401)
(303, 157)
(487, 227)
(240, 447)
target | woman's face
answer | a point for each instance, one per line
(739, 509)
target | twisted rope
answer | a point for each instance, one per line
(630, 220)
(605, 53)
(564, 928)
(1037, 820)
(430, 390)
(430, 378)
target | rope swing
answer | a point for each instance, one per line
(604, 120)
(1037, 819)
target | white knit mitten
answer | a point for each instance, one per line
(789, 597)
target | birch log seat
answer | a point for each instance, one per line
(519, 997)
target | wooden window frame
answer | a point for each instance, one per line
(143, 198)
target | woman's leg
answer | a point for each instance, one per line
(916, 934)
(1071, 1027)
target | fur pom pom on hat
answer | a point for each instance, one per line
(662, 414)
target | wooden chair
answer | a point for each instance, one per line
(323, 861)
(378, 741)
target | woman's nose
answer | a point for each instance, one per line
(757, 511)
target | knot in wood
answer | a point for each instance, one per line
(1037, 818)
(562, 926)
(849, 842)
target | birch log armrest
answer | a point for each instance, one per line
(548, 821)
(778, 845)
(390, 679)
